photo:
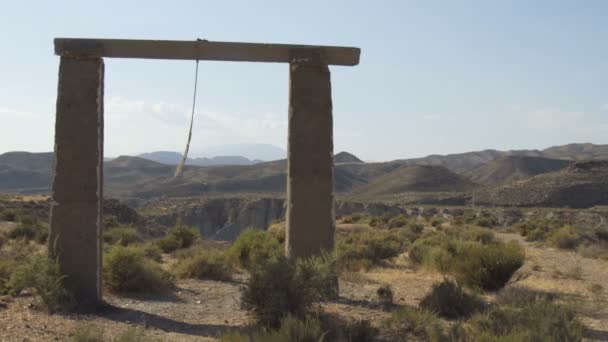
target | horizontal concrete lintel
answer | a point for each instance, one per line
(201, 50)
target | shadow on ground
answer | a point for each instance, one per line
(145, 319)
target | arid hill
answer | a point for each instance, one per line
(513, 168)
(582, 184)
(137, 179)
(418, 178)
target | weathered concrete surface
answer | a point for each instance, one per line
(76, 210)
(310, 201)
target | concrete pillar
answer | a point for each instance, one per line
(76, 209)
(310, 201)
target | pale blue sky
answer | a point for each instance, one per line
(435, 76)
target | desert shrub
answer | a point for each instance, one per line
(291, 329)
(595, 250)
(486, 222)
(281, 287)
(7, 267)
(450, 301)
(537, 321)
(601, 234)
(422, 246)
(379, 221)
(210, 264)
(535, 230)
(566, 238)
(8, 215)
(398, 221)
(126, 270)
(436, 222)
(415, 228)
(43, 276)
(254, 247)
(413, 324)
(481, 235)
(152, 252)
(321, 273)
(488, 267)
(385, 295)
(471, 255)
(178, 237)
(123, 236)
(278, 231)
(354, 218)
(522, 296)
(168, 244)
(364, 249)
(29, 231)
(87, 333)
(339, 329)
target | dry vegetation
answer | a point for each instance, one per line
(392, 277)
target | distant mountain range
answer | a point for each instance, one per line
(523, 177)
(173, 158)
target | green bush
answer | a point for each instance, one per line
(87, 333)
(126, 270)
(291, 329)
(7, 267)
(385, 295)
(486, 222)
(471, 255)
(354, 218)
(413, 324)
(421, 247)
(282, 287)
(123, 236)
(450, 301)
(380, 221)
(398, 221)
(8, 215)
(566, 238)
(367, 248)
(29, 231)
(481, 235)
(321, 273)
(536, 229)
(254, 247)
(152, 252)
(178, 237)
(278, 231)
(537, 321)
(436, 222)
(43, 276)
(488, 267)
(210, 264)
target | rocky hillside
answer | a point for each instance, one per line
(513, 168)
(418, 178)
(467, 162)
(582, 184)
(137, 179)
(345, 157)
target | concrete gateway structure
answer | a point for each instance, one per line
(76, 210)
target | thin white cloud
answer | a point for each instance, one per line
(11, 112)
(605, 107)
(552, 118)
(142, 125)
